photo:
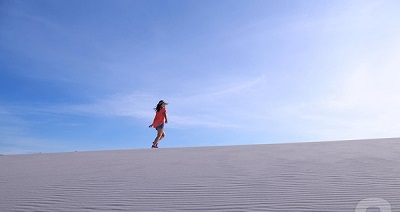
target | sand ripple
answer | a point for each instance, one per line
(325, 176)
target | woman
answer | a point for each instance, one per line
(159, 120)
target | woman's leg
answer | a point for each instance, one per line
(160, 135)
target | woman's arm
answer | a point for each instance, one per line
(166, 118)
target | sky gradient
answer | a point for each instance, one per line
(86, 75)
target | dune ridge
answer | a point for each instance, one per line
(318, 176)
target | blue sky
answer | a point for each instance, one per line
(85, 75)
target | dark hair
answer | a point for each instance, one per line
(158, 107)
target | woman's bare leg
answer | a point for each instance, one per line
(160, 135)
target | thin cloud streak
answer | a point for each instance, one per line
(139, 106)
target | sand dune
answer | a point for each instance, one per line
(320, 176)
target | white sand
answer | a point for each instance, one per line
(325, 176)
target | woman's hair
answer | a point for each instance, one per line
(159, 105)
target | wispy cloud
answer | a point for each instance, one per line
(136, 105)
(199, 109)
(238, 86)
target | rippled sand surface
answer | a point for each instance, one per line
(318, 176)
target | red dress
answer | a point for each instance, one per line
(159, 118)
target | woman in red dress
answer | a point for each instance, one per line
(159, 120)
